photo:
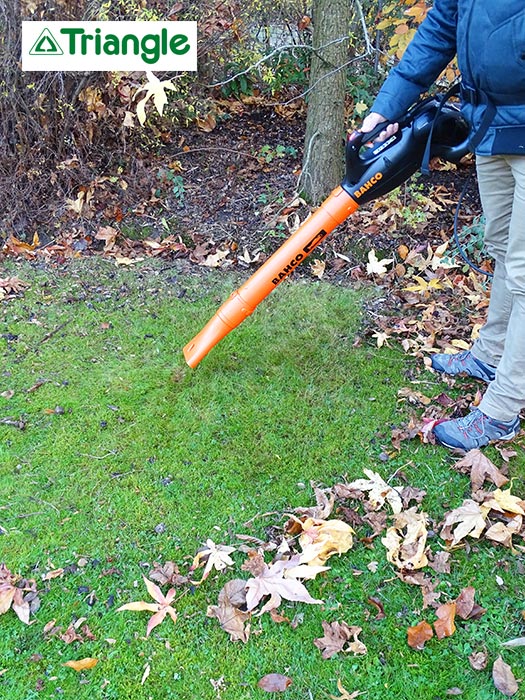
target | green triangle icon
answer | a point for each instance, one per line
(46, 45)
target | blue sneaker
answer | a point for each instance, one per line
(463, 363)
(474, 430)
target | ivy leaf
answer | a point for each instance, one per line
(160, 608)
(153, 88)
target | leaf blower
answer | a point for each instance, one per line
(432, 127)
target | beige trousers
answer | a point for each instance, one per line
(501, 343)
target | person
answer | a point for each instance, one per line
(489, 40)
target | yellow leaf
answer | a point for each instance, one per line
(458, 343)
(505, 501)
(406, 540)
(82, 664)
(321, 539)
(317, 268)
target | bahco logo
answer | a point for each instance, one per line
(109, 46)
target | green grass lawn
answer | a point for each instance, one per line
(128, 458)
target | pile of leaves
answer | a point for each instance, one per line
(346, 515)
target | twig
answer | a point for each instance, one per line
(54, 332)
(260, 515)
(14, 422)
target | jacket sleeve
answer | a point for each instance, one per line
(429, 52)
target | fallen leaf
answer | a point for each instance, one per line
(440, 563)
(469, 520)
(82, 664)
(272, 583)
(147, 671)
(339, 637)
(167, 574)
(478, 660)
(375, 266)
(499, 532)
(466, 607)
(418, 635)
(480, 469)
(379, 491)
(215, 259)
(378, 605)
(517, 642)
(406, 540)
(213, 556)
(504, 501)
(321, 539)
(17, 593)
(503, 678)
(444, 626)
(229, 611)
(345, 695)
(325, 500)
(153, 88)
(160, 608)
(317, 268)
(274, 683)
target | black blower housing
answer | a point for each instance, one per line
(381, 167)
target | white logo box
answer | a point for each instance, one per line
(109, 46)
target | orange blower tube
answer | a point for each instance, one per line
(333, 211)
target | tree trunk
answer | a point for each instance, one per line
(325, 123)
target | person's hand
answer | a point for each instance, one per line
(372, 120)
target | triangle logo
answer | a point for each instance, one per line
(46, 45)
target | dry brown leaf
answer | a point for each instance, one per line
(418, 635)
(231, 610)
(345, 694)
(440, 563)
(480, 469)
(503, 678)
(82, 664)
(499, 532)
(167, 574)
(317, 268)
(325, 500)
(406, 540)
(18, 594)
(339, 637)
(274, 683)
(478, 660)
(466, 607)
(321, 539)
(444, 626)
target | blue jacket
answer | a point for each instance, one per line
(488, 37)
